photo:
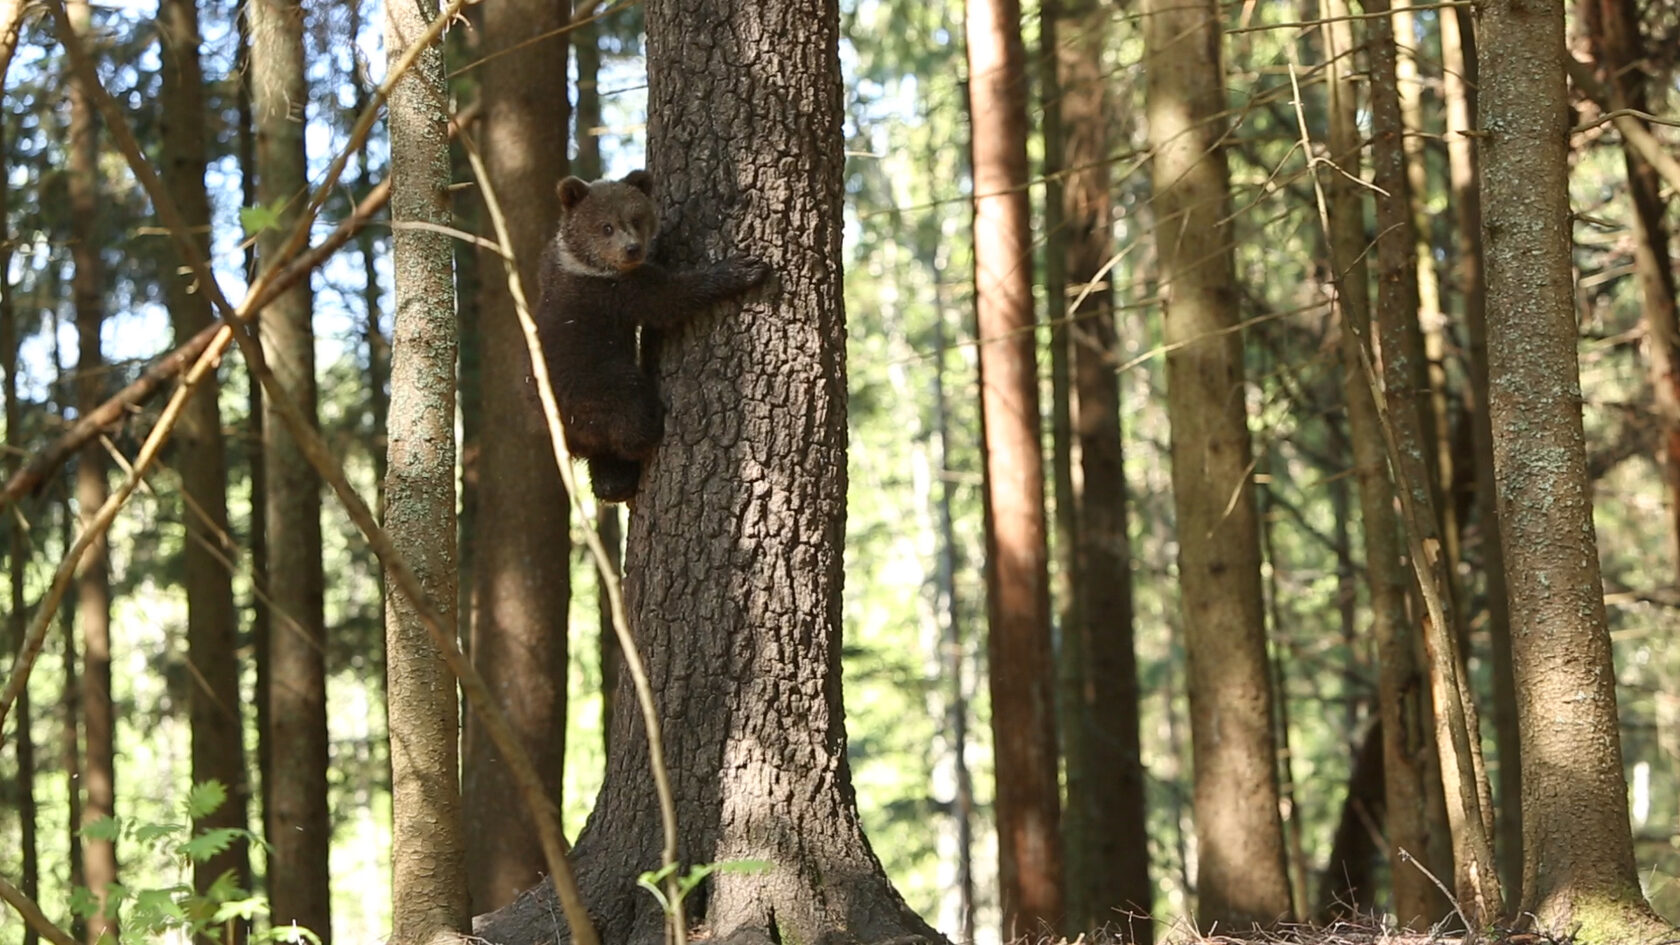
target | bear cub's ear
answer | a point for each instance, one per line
(641, 180)
(571, 191)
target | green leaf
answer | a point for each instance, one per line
(225, 889)
(258, 218)
(247, 908)
(102, 828)
(210, 842)
(158, 909)
(83, 905)
(151, 833)
(205, 799)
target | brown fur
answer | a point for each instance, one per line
(597, 287)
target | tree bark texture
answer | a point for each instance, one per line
(1578, 867)
(1027, 803)
(218, 745)
(1105, 776)
(521, 544)
(1239, 833)
(734, 562)
(1407, 732)
(428, 850)
(299, 830)
(93, 582)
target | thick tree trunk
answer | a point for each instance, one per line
(428, 850)
(1241, 879)
(218, 731)
(521, 559)
(1103, 754)
(299, 830)
(1017, 574)
(734, 563)
(1578, 867)
(1408, 736)
(93, 582)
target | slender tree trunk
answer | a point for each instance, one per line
(93, 587)
(299, 829)
(218, 748)
(1405, 385)
(428, 849)
(739, 523)
(1105, 776)
(17, 548)
(1407, 734)
(1017, 576)
(1241, 878)
(1612, 31)
(1458, 54)
(521, 544)
(1578, 867)
(252, 441)
(954, 666)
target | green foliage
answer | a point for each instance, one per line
(146, 914)
(258, 218)
(696, 875)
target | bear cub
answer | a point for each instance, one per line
(598, 286)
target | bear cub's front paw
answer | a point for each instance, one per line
(748, 271)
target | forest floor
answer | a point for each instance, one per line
(1354, 932)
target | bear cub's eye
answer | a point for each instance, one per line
(606, 229)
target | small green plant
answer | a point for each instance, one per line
(146, 914)
(652, 879)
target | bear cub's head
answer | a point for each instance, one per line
(606, 228)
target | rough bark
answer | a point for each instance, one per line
(1408, 736)
(521, 544)
(1105, 816)
(299, 830)
(428, 849)
(1241, 878)
(93, 582)
(734, 561)
(1017, 575)
(1578, 867)
(218, 747)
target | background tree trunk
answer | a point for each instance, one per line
(428, 851)
(734, 562)
(521, 547)
(299, 830)
(1458, 57)
(93, 582)
(1105, 802)
(17, 547)
(1408, 737)
(1578, 870)
(1615, 43)
(1240, 878)
(218, 732)
(1017, 577)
